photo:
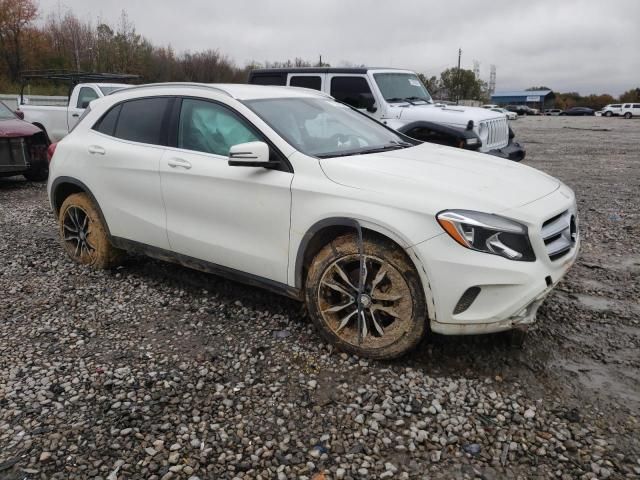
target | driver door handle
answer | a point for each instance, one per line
(179, 162)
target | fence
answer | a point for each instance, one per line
(12, 100)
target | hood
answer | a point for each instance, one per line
(17, 128)
(452, 115)
(431, 178)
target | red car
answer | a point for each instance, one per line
(23, 147)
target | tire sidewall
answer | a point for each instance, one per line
(345, 246)
(99, 237)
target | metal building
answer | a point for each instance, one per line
(540, 99)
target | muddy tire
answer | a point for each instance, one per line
(394, 312)
(83, 234)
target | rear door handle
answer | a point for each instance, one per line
(75, 115)
(96, 150)
(179, 162)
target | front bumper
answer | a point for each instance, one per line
(513, 151)
(510, 291)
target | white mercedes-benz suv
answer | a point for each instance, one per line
(288, 189)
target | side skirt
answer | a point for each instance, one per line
(207, 267)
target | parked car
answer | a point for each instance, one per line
(490, 106)
(522, 109)
(507, 113)
(553, 112)
(380, 234)
(579, 111)
(612, 110)
(630, 110)
(23, 147)
(398, 99)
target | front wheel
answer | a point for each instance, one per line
(608, 114)
(83, 234)
(392, 317)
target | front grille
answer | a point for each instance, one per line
(13, 152)
(559, 234)
(498, 136)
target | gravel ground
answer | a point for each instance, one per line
(155, 371)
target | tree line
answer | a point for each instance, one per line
(62, 41)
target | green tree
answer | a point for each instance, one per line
(632, 95)
(461, 84)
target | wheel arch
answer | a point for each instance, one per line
(323, 231)
(62, 187)
(44, 131)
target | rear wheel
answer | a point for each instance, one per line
(392, 318)
(627, 115)
(83, 234)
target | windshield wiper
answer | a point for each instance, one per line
(395, 100)
(364, 151)
(410, 99)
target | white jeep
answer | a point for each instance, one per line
(398, 99)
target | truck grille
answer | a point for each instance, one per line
(13, 152)
(560, 234)
(498, 136)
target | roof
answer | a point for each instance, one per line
(522, 93)
(359, 70)
(239, 91)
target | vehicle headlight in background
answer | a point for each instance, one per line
(488, 233)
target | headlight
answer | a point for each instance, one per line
(488, 233)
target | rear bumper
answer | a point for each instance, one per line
(513, 151)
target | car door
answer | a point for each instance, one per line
(75, 111)
(125, 147)
(355, 90)
(234, 217)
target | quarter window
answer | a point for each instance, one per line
(107, 124)
(211, 128)
(86, 95)
(353, 91)
(306, 81)
(141, 120)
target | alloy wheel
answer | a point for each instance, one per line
(77, 232)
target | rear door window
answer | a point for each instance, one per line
(142, 120)
(306, 81)
(107, 124)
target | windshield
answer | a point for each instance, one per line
(401, 87)
(6, 113)
(322, 127)
(107, 90)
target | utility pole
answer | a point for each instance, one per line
(458, 82)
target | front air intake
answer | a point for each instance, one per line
(466, 300)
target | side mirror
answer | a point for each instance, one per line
(19, 114)
(251, 154)
(367, 102)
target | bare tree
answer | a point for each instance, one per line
(15, 17)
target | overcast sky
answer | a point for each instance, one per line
(590, 46)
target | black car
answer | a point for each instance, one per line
(579, 112)
(522, 109)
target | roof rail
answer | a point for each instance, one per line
(174, 84)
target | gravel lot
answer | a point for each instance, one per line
(155, 371)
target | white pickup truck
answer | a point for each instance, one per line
(57, 122)
(398, 99)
